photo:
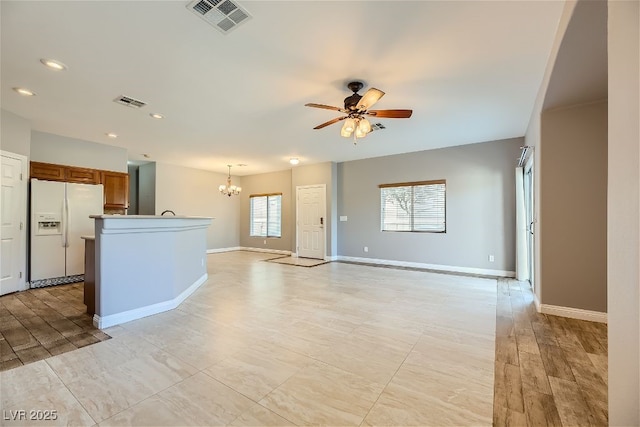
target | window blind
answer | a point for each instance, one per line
(413, 206)
(266, 215)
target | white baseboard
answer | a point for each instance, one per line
(573, 313)
(536, 301)
(265, 250)
(102, 322)
(331, 258)
(438, 267)
(219, 250)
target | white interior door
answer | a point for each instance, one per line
(311, 220)
(12, 217)
(82, 200)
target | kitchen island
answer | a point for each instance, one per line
(146, 264)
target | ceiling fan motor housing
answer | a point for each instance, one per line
(350, 102)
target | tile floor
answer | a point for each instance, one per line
(338, 344)
(41, 323)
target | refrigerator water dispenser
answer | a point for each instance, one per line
(48, 224)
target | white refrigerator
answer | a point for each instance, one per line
(59, 217)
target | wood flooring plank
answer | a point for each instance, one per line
(526, 341)
(508, 387)
(533, 373)
(504, 326)
(544, 333)
(540, 409)
(590, 342)
(554, 362)
(505, 417)
(571, 406)
(507, 350)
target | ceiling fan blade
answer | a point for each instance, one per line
(372, 96)
(330, 122)
(390, 114)
(326, 107)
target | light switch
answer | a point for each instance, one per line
(343, 218)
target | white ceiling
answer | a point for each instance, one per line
(470, 70)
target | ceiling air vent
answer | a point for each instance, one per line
(377, 126)
(224, 15)
(129, 102)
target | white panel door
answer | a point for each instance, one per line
(82, 200)
(12, 250)
(311, 219)
(47, 251)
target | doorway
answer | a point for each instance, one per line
(529, 207)
(13, 217)
(310, 221)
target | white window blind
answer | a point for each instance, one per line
(266, 215)
(413, 206)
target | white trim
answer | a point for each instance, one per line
(218, 250)
(269, 251)
(439, 267)
(536, 301)
(331, 258)
(573, 313)
(138, 313)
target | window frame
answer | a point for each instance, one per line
(414, 184)
(266, 235)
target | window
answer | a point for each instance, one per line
(413, 206)
(266, 215)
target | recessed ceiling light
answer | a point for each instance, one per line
(294, 161)
(241, 164)
(111, 135)
(156, 115)
(24, 91)
(53, 64)
(146, 156)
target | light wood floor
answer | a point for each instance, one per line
(549, 370)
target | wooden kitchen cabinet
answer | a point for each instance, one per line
(47, 171)
(52, 172)
(116, 190)
(82, 176)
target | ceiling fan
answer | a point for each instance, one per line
(356, 107)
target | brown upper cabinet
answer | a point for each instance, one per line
(116, 190)
(116, 184)
(51, 172)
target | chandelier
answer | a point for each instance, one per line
(228, 189)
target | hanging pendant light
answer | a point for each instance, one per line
(228, 189)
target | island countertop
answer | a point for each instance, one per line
(148, 217)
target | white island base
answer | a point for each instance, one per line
(146, 264)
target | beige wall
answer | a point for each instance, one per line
(15, 134)
(274, 182)
(573, 207)
(62, 150)
(194, 192)
(624, 213)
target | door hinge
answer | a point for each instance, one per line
(21, 225)
(20, 176)
(20, 276)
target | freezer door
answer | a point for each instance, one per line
(47, 250)
(82, 200)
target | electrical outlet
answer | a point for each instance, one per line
(366, 249)
(265, 241)
(343, 218)
(491, 258)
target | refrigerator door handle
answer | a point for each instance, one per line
(65, 221)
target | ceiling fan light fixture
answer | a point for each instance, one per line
(360, 133)
(345, 133)
(349, 125)
(364, 126)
